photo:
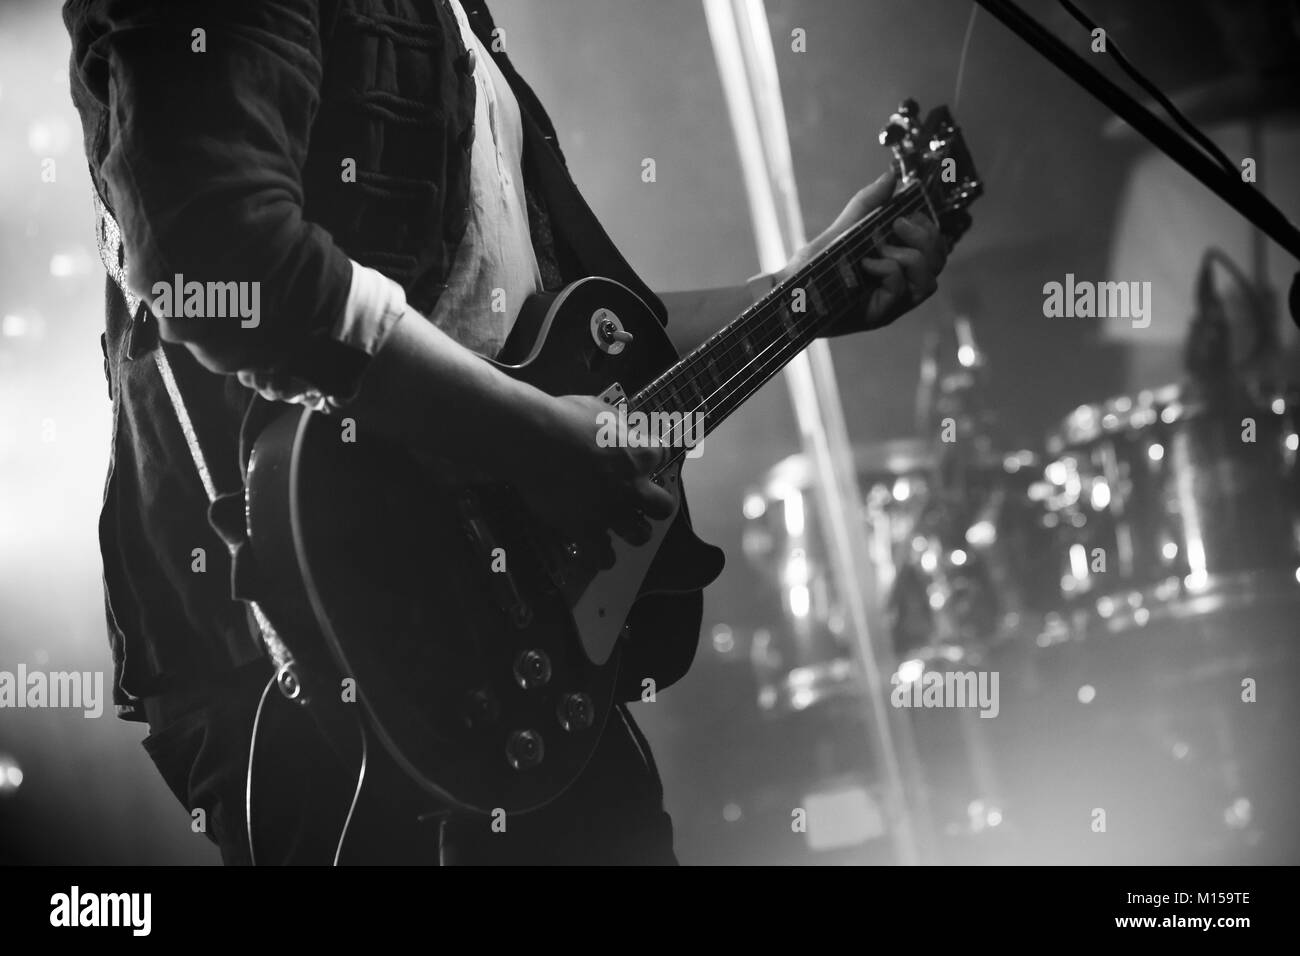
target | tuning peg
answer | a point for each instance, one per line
(894, 132)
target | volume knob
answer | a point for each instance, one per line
(576, 711)
(525, 749)
(532, 669)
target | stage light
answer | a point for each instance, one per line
(724, 641)
(982, 534)
(1238, 814)
(910, 671)
(11, 776)
(49, 135)
(794, 516)
(70, 263)
(1100, 496)
(800, 601)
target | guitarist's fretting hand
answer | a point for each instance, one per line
(908, 269)
(585, 491)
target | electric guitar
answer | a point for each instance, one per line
(484, 648)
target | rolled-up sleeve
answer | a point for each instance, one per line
(211, 107)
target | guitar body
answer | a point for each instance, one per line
(485, 652)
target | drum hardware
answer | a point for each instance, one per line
(1160, 509)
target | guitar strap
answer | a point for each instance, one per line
(337, 725)
(108, 238)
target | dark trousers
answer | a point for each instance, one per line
(304, 784)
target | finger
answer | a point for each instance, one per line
(921, 282)
(600, 552)
(919, 232)
(645, 460)
(631, 526)
(937, 247)
(864, 201)
(594, 549)
(891, 291)
(890, 274)
(653, 500)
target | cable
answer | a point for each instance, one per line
(356, 796)
(248, 784)
(1256, 299)
(961, 60)
(1136, 76)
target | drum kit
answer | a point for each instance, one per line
(1132, 586)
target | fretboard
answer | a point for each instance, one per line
(716, 377)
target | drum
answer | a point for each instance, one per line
(808, 657)
(1173, 525)
(958, 561)
(1162, 506)
(977, 568)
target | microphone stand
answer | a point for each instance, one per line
(1248, 202)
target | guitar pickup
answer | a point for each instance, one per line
(489, 550)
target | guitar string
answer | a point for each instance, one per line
(854, 245)
(761, 367)
(779, 336)
(858, 243)
(712, 352)
(773, 355)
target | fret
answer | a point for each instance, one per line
(847, 275)
(712, 378)
(815, 297)
(694, 400)
(672, 398)
(786, 317)
(725, 370)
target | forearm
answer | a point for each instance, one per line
(427, 392)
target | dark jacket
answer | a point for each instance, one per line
(217, 133)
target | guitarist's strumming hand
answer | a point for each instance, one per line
(907, 272)
(583, 490)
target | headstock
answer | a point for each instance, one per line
(934, 155)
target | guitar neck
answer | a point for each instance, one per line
(720, 374)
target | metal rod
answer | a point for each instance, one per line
(742, 44)
(1247, 200)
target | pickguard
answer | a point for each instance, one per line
(601, 607)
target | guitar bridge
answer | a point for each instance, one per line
(501, 583)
